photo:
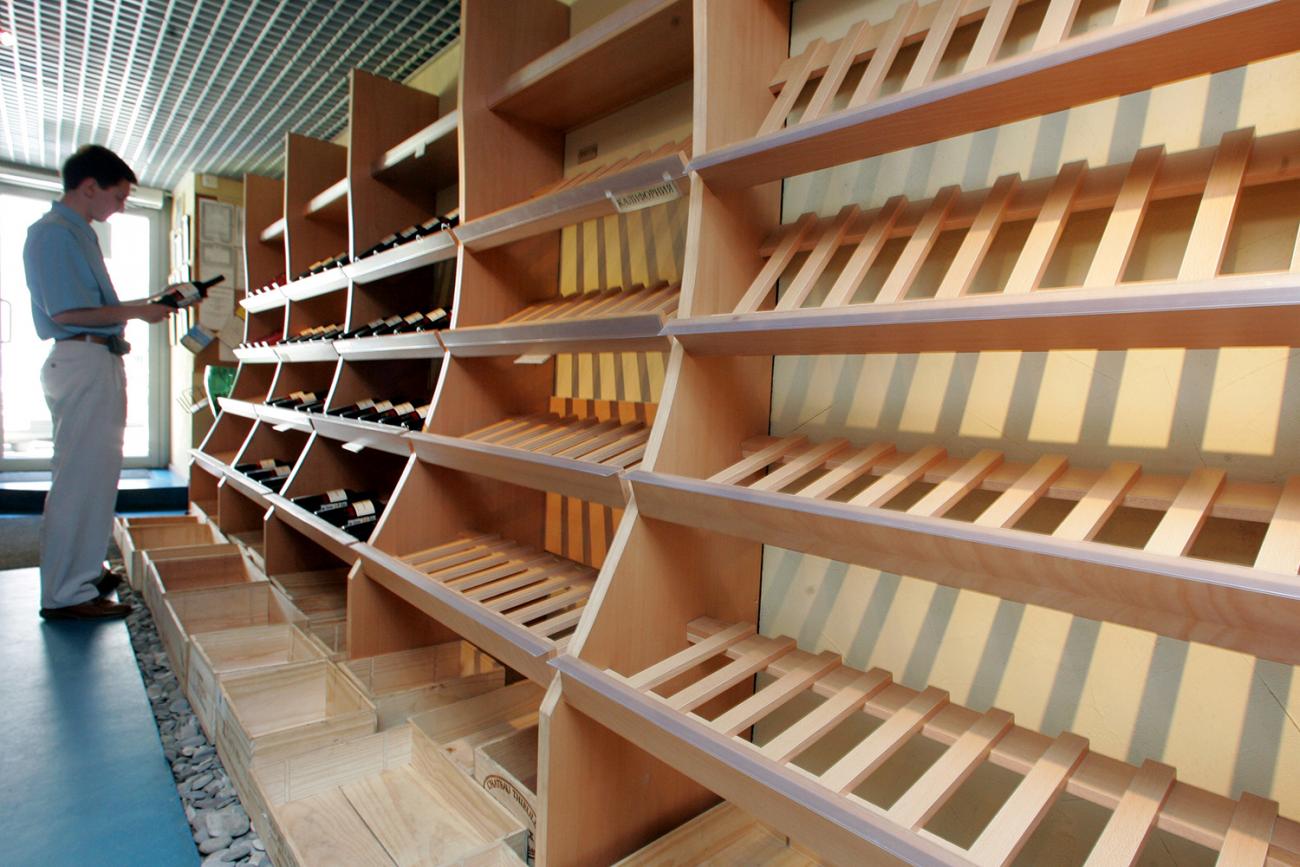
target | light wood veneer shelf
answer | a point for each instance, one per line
(655, 709)
(515, 602)
(282, 417)
(271, 299)
(273, 232)
(312, 350)
(911, 311)
(1140, 50)
(429, 153)
(235, 406)
(421, 344)
(569, 455)
(330, 203)
(419, 253)
(582, 197)
(1157, 588)
(329, 537)
(641, 48)
(357, 435)
(627, 320)
(315, 285)
(257, 355)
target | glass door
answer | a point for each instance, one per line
(25, 429)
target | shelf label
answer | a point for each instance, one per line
(646, 197)
(535, 358)
(354, 447)
(281, 428)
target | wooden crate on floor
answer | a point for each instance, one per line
(724, 834)
(136, 541)
(191, 612)
(383, 799)
(214, 655)
(195, 567)
(506, 768)
(124, 524)
(412, 681)
(278, 713)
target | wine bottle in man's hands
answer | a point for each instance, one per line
(182, 295)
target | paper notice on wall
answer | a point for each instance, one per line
(218, 308)
(216, 222)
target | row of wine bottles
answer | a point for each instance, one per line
(181, 295)
(354, 512)
(270, 472)
(396, 412)
(397, 324)
(410, 233)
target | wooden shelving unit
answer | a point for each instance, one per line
(590, 497)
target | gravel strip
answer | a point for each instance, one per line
(218, 821)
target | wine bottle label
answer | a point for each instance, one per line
(363, 508)
(268, 464)
(189, 293)
(413, 318)
(365, 404)
(383, 406)
(404, 408)
(281, 471)
(336, 496)
(436, 314)
(392, 320)
(423, 411)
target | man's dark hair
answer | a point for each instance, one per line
(98, 162)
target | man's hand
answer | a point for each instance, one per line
(151, 312)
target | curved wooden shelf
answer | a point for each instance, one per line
(257, 354)
(429, 154)
(655, 709)
(906, 309)
(329, 537)
(307, 350)
(721, 835)
(782, 494)
(420, 344)
(629, 320)
(243, 408)
(579, 198)
(640, 49)
(331, 203)
(246, 486)
(358, 435)
(515, 602)
(273, 232)
(1139, 51)
(263, 301)
(315, 285)
(576, 457)
(280, 417)
(211, 463)
(428, 250)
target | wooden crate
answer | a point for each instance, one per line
(137, 541)
(506, 767)
(214, 655)
(460, 728)
(192, 612)
(123, 524)
(274, 714)
(412, 681)
(723, 835)
(193, 568)
(383, 799)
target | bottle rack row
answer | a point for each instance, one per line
(610, 551)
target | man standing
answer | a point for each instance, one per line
(74, 303)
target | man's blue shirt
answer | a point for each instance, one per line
(65, 271)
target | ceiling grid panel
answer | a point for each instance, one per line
(197, 85)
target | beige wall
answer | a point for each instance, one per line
(1227, 722)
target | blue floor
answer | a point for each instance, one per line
(82, 776)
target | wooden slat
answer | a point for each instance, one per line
(690, 657)
(852, 468)
(887, 739)
(918, 247)
(993, 31)
(1103, 498)
(1178, 528)
(936, 42)
(826, 716)
(1012, 504)
(1011, 828)
(1249, 833)
(853, 42)
(785, 100)
(797, 292)
(949, 492)
(746, 467)
(1046, 233)
(776, 263)
(1122, 839)
(1210, 230)
(865, 253)
(887, 48)
(798, 466)
(1280, 551)
(1125, 219)
(745, 667)
(1056, 24)
(978, 239)
(1131, 10)
(775, 694)
(931, 791)
(892, 483)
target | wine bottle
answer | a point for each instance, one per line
(279, 471)
(293, 399)
(317, 405)
(375, 413)
(267, 464)
(387, 326)
(275, 484)
(181, 295)
(412, 420)
(359, 406)
(312, 502)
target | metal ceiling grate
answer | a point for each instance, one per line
(198, 85)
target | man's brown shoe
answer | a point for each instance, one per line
(95, 609)
(107, 582)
